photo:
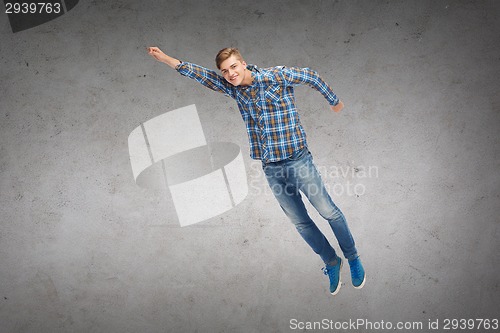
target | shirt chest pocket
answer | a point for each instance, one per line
(273, 93)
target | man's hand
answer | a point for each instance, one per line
(162, 57)
(338, 107)
(157, 53)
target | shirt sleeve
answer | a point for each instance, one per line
(298, 76)
(206, 77)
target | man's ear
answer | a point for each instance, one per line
(243, 62)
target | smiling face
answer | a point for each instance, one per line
(235, 71)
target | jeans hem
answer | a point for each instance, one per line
(352, 257)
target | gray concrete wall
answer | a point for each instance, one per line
(84, 249)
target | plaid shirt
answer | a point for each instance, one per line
(267, 106)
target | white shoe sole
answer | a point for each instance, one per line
(362, 283)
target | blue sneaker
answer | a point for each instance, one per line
(358, 275)
(333, 273)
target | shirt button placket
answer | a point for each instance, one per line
(263, 137)
(263, 140)
(260, 117)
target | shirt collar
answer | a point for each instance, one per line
(253, 68)
(255, 72)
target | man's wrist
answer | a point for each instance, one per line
(337, 107)
(172, 62)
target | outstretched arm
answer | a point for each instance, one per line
(296, 76)
(162, 57)
(205, 76)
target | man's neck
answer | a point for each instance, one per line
(248, 80)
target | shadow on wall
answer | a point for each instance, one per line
(28, 14)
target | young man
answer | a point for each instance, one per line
(266, 102)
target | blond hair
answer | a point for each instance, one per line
(225, 53)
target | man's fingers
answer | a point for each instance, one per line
(156, 53)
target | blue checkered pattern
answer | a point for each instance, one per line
(267, 106)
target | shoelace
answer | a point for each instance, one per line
(356, 271)
(326, 271)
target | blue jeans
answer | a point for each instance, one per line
(289, 177)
